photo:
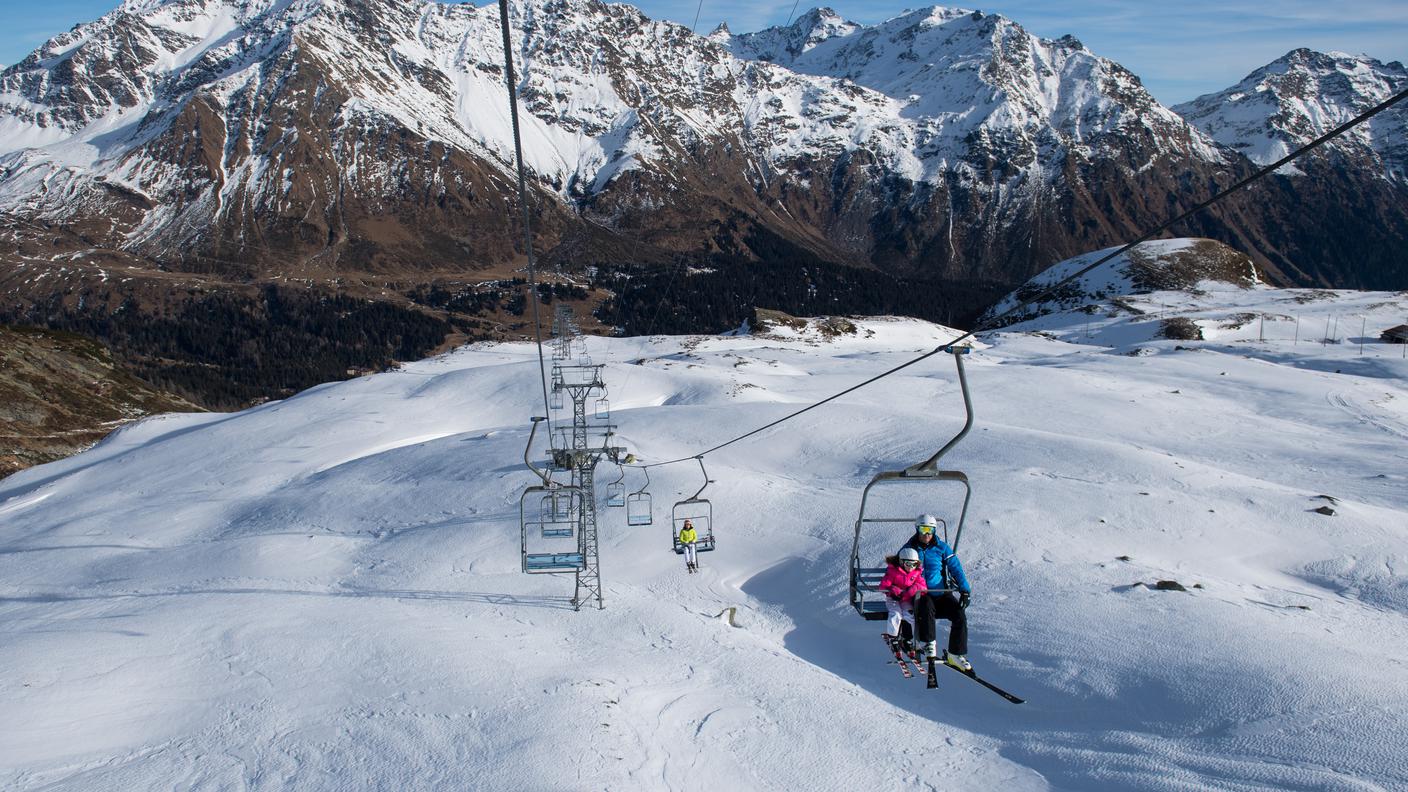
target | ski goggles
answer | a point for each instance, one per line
(926, 529)
(908, 563)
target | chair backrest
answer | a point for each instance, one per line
(616, 494)
(638, 510)
(864, 598)
(699, 512)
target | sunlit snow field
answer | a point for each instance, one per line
(323, 593)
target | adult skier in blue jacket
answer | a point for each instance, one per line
(941, 571)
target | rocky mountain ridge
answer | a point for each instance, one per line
(362, 147)
(1301, 96)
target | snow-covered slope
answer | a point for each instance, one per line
(323, 593)
(1295, 99)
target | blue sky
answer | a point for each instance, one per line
(1179, 49)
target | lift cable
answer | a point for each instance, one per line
(792, 13)
(523, 200)
(994, 321)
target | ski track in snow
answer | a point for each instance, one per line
(323, 593)
(1367, 415)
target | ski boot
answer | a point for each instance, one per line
(929, 650)
(907, 646)
(959, 662)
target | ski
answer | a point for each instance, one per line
(899, 656)
(932, 681)
(990, 686)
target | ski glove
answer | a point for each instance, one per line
(964, 599)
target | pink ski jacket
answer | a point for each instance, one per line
(903, 585)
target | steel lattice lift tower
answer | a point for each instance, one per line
(578, 449)
(567, 509)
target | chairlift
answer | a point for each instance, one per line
(638, 511)
(602, 412)
(548, 511)
(560, 508)
(616, 490)
(865, 580)
(698, 511)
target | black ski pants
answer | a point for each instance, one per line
(929, 607)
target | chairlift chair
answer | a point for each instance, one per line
(548, 511)
(560, 508)
(638, 510)
(865, 580)
(547, 523)
(602, 412)
(616, 491)
(700, 512)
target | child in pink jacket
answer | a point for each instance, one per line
(903, 581)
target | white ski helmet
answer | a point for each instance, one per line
(927, 519)
(909, 554)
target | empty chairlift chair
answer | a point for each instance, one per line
(555, 400)
(638, 510)
(865, 597)
(548, 514)
(700, 512)
(616, 491)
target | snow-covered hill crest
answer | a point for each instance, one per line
(1186, 265)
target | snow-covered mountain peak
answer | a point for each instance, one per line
(783, 44)
(192, 113)
(1302, 95)
(979, 87)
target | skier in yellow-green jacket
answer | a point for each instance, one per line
(687, 538)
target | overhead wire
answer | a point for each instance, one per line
(996, 320)
(792, 12)
(523, 201)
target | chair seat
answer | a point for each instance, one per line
(553, 562)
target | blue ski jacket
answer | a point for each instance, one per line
(939, 562)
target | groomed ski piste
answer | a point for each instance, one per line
(324, 593)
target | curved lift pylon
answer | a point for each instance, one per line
(694, 509)
(638, 510)
(865, 597)
(547, 514)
